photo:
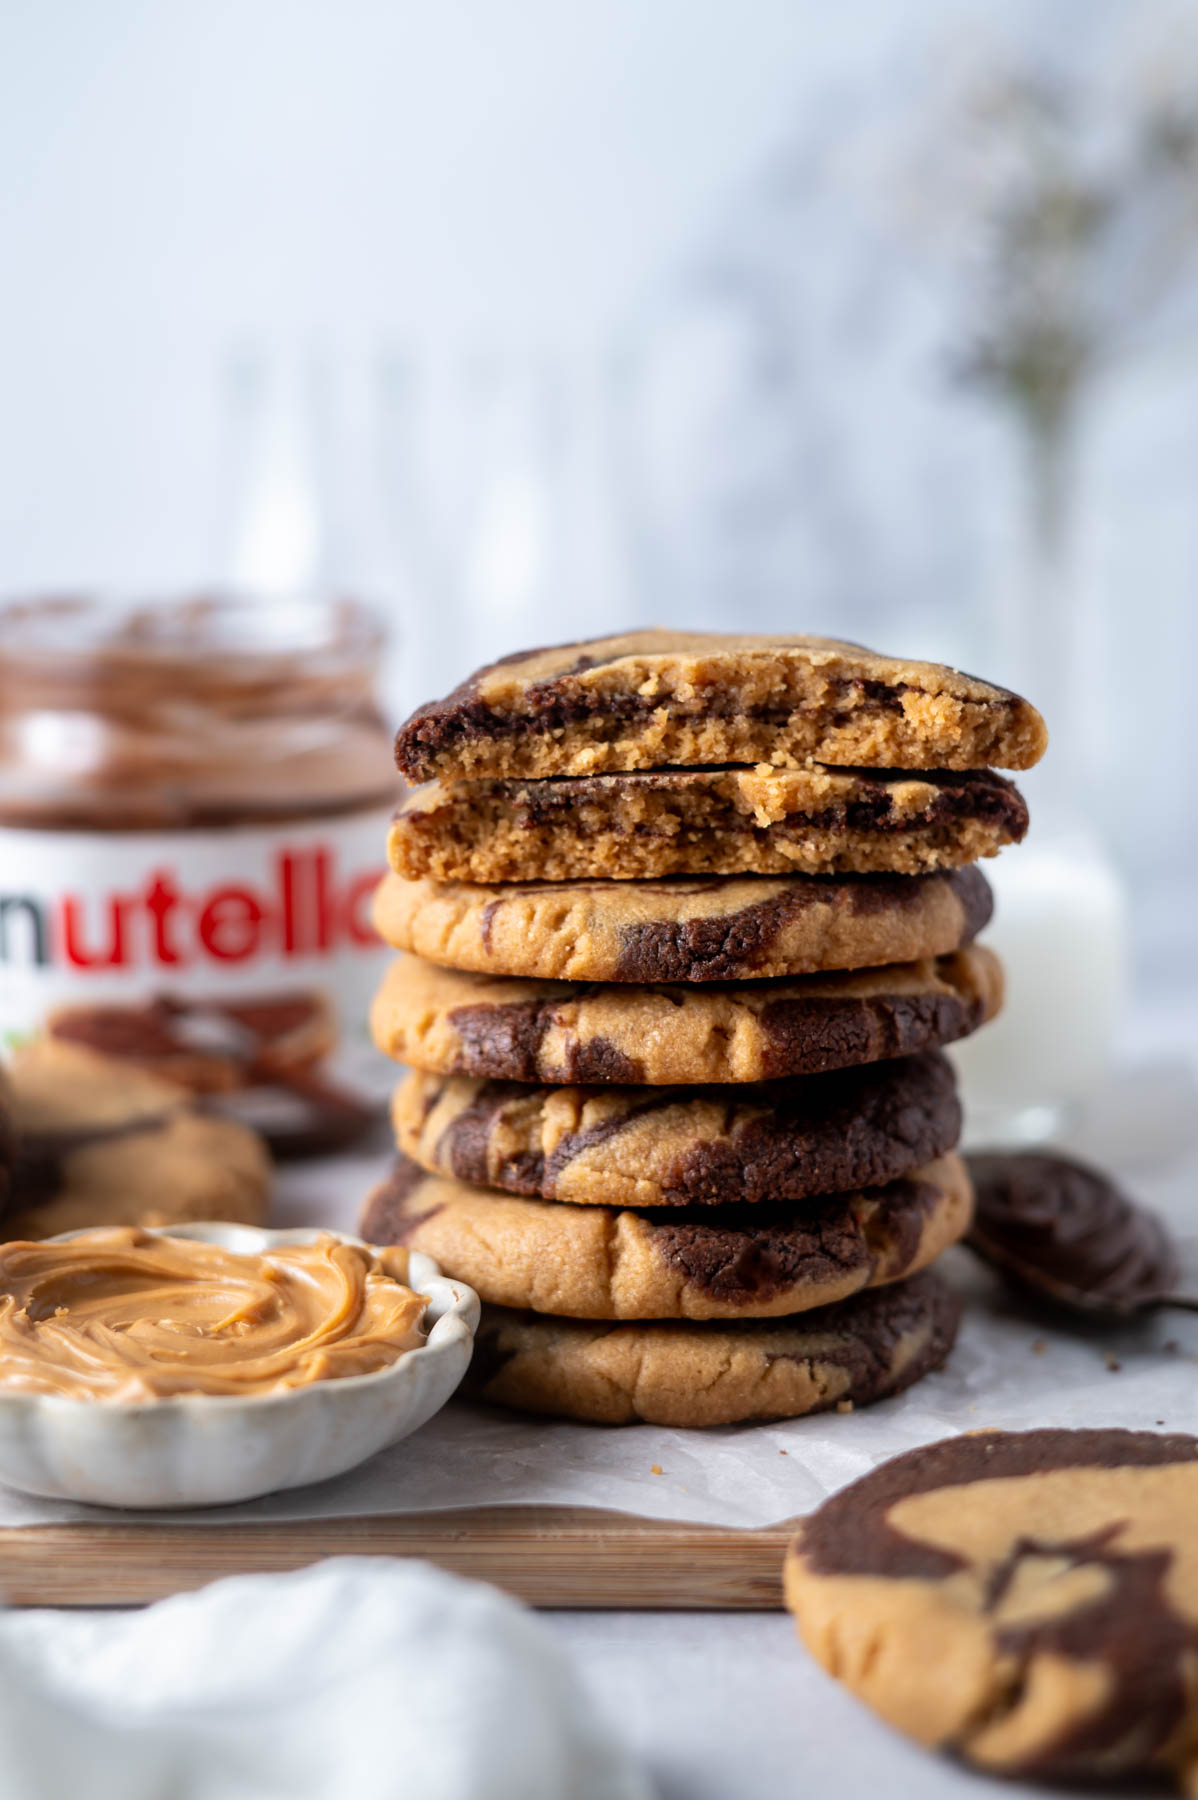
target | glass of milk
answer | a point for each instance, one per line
(1061, 928)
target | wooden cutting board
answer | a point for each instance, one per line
(546, 1555)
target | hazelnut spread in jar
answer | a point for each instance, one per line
(123, 1314)
(193, 802)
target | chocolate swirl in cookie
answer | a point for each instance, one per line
(1024, 1600)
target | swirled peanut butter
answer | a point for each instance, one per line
(122, 1314)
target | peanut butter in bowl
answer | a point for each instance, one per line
(123, 1314)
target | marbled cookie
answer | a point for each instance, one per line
(716, 930)
(105, 1143)
(740, 1262)
(630, 1146)
(687, 1373)
(658, 699)
(650, 823)
(458, 1024)
(1028, 1601)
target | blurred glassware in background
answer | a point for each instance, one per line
(711, 430)
(325, 492)
(1066, 218)
(908, 457)
(470, 502)
(534, 546)
(1061, 929)
(1065, 221)
(503, 532)
(394, 490)
(277, 527)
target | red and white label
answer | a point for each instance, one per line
(119, 917)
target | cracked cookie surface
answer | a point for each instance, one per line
(713, 930)
(460, 1024)
(696, 1373)
(737, 1262)
(666, 1146)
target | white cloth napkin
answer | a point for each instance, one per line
(358, 1679)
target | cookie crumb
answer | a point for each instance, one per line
(1039, 1347)
(781, 1453)
(844, 1406)
(1112, 1363)
(656, 1469)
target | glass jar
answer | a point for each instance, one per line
(194, 800)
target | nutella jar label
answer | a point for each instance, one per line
(239, 961)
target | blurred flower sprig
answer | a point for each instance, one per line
(1066, 209)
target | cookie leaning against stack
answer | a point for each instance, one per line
(687, 921)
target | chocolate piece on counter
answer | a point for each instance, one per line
(1066, 1232)
(1026, 1600)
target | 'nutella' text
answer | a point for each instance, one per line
(308, 906)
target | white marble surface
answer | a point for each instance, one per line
(728, 1706)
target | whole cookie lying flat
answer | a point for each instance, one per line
(631, 1146)
(694, 1373)
(660, 822)
(742, 1262)
(258, 1060)
(457, 1024)
(102, 1143)
(1026, 1600)
(717, 930)
(658, 699)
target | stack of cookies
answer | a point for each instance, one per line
(687, 921)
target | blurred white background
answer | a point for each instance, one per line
(535, 320)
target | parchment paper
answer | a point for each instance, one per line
(1013, 1367)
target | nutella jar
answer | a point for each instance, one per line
(194, 800)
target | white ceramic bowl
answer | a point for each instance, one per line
(209, 1450)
